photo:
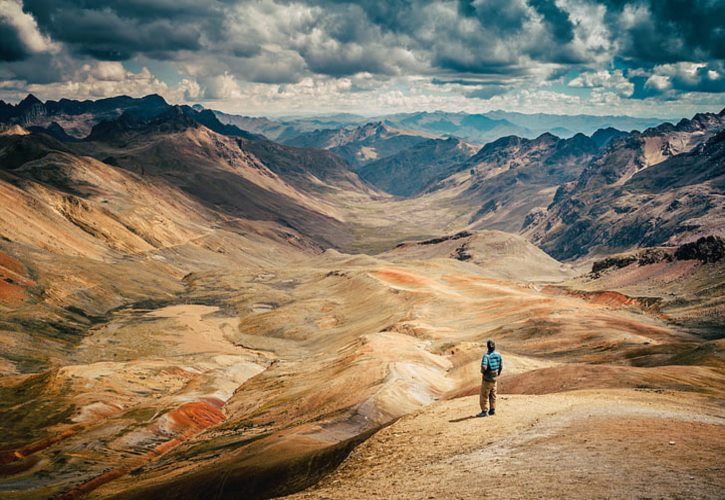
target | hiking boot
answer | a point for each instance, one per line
(492, 412)
(482, 414)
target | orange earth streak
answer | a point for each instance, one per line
(12, 456)
(400, 278)
(189, 419)
(13, 277)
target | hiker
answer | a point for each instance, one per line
(491, 367)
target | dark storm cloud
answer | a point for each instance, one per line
(12, 47)
(283, 41)
(662, 31)
(502, 16)
(118, 30)
(38, 68)
(394, 16)
(555, 18)
(44, 10)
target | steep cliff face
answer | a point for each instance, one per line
(664, 186)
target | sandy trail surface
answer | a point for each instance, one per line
(594, 444)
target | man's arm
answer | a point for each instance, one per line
(500, 364)
(484, 363)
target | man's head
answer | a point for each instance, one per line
(491, 345)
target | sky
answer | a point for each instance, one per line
(659, 58)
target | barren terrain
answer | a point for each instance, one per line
(185, 314)
(594, 444)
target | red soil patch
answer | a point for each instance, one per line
(188, 420)
(400, 277)
(11, 264)
(196, 416)
(12, 456)
(13, 277)
(605, 298)
(10, 293)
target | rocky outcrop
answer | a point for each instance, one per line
(708, 249)
(610, 262)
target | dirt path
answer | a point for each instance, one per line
(606, 443)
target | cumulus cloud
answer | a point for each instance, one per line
(116, 30)
(688, 77)
(221, 87)
(103, 79)
(449, 53)
(614, 81)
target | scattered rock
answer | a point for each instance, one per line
(461, 253)
(457, 236)
(706, 249)
(618, 262)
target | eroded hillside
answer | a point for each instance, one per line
(188, 310)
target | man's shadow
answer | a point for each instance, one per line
(462, 419)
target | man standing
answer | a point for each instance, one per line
(491, 367)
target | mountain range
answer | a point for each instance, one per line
(477, 128)
(198, 302)
(549, 187)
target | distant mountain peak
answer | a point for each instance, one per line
(604, 136)
(500, 143)
(29, 101)
(546, 137)
(154, 99)
(174, 119)
(376, 127)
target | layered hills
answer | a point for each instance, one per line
(579, 196)
(472, 127)
(414, 170)
(664, 186)
(360, 145)
(189, 309)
